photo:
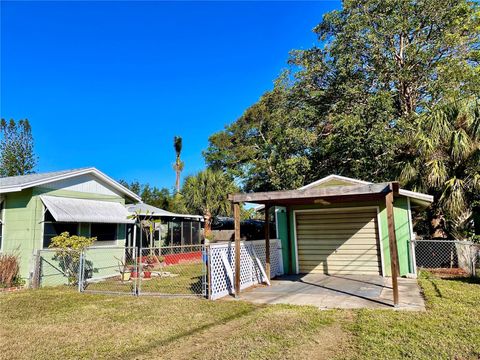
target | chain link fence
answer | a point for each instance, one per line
(55, 267)
(448, 258)
(173, 270)
(167, 271)
(109, 270)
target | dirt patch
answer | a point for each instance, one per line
(448, 272)
(326, 344)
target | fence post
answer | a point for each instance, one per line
(80, 271)
(413, 257)
(35, 283)
(473, 255)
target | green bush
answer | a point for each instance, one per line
(68, 250)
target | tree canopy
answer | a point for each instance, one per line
(17, 155)
(206, 193)
(353, 104)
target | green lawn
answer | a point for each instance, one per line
(61, 323)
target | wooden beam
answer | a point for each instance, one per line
(236, 221)
(392, 240)
(332, 191)
(267, 241)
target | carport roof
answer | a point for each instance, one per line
(320, 195)
(350, 190)
(289, 196)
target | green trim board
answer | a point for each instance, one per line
(402, 231)
(282, 234)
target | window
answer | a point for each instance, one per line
(52, 228)
(104, 232)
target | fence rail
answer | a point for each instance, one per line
(447, 257)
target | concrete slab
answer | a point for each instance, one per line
(337, 291)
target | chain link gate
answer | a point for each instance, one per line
(164, 271)
(173, 270)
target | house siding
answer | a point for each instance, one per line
(23, 227)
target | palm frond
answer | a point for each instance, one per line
(177, 145)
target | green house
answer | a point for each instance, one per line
(34, 208)
(338, 225)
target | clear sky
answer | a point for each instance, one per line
(108, 84)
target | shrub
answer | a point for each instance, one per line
(9, 271)
(68, 249)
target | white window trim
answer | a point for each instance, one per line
(379, 228)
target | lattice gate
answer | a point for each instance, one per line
(221, 265)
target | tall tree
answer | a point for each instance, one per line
(206, 193)
(350, 105)
(154, 196)
(17, 155)
(446, 164)
(178, 165)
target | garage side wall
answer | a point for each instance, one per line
(402, 231)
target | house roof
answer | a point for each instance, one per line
(149, 210)
(18, 183)
(351, 183)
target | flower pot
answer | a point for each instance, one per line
(126, 276)
(134, 274)
(147, 274)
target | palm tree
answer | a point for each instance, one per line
(207, 193)
(178, 165)
(446, 164)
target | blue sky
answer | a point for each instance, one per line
(108, 84)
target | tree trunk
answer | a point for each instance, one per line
(177, 180)
(208, 224)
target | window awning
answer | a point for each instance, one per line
(86, 211)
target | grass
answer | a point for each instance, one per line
(450, 328)
(61, 323)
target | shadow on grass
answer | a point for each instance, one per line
(464, 279)
(143, 350)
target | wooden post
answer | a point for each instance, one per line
(392, 240)
(236, 220)
(267, 240)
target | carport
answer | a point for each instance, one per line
(339, 230)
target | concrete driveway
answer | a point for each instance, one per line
(337, 291)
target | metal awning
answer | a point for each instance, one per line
(86, 211)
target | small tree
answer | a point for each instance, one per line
(207, 193)
(16, 148)
(68, 250)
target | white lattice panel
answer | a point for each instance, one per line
(220, 283)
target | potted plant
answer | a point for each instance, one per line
(147, 271)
